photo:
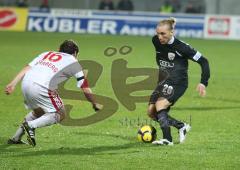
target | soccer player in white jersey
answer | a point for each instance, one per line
(40, 79)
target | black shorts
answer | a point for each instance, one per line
(168, 91)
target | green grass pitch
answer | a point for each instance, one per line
(212, 143)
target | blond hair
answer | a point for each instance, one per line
(171, 22)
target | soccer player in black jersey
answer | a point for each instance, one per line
(172, 57)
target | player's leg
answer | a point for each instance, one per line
(152, 113)
(46, 119)
(158, 111)
(175, 123)
(182, 127)
(162, 116)
(38, 112)
(162, 99)
(16, 139)
(29, 92)
(54, 111)
(46, 103)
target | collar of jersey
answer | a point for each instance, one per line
(171, 40)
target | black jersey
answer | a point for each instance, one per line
(172, 60)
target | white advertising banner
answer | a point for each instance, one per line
(222, 27)
(236, 27)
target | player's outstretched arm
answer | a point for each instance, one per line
(201, 87)
(11, 86)
(89, 95)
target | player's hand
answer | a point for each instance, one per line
(97, 107)
(9, 89)
(201, 88)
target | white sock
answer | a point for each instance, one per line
(30, 117)
(20, 132)
(45, 120)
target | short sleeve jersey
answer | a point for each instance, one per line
(51, 68)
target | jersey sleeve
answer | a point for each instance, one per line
(76, 71)
(203, 62)
(190, 52)
(196, 56)
(154, 41)
(80, 78)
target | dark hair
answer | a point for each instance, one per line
(69, 47)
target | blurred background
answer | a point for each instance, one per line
(166, 6)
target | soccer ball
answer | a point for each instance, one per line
(147, 134)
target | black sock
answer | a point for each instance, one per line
(167, 133)
(162, 116)
(176, 123)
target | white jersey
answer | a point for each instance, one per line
(51, 68)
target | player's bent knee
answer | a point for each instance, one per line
(152, 116)
(62, 116)
(151, 109)
(151, 112)
(38, 112)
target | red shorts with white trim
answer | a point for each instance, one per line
(37, 96)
